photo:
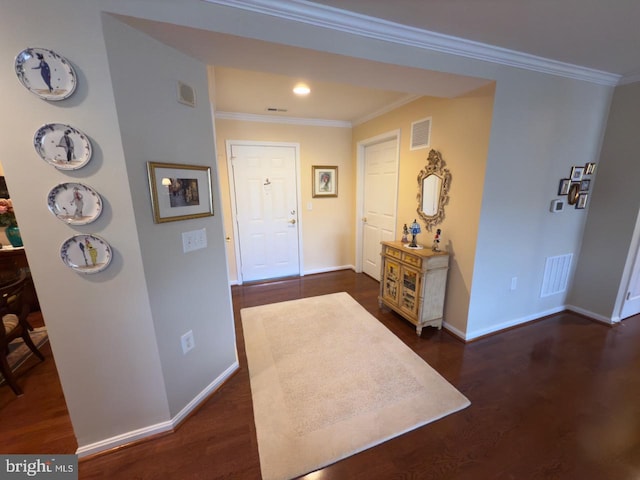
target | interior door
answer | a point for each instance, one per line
(631, 305)
(379, 203)
(266, 210)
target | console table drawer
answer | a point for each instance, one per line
(392, 252)
(412, 259)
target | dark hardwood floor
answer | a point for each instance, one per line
(38, 421)
(555, 399)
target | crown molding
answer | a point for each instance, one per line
(379, 29)
(385, 109)
(630, 78)
(251, 117)
(314, 122)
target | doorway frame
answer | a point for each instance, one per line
(633, 260)
(360, 150)
(232, 197)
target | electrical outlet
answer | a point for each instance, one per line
(187, 342)
(514, 283)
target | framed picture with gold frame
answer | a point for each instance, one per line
(325, 181)
(179, 192)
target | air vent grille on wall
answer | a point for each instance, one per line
(421, 134)
(556, 274)
(186, 94)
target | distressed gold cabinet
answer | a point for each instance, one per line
(413, 283)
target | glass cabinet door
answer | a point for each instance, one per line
(391, 280)
(410, 291)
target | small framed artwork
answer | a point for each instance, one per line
(179, 192)
(325, 181)
(582, 200)
(584, 185)
(576, 173)
(589, 168)
(563, 189)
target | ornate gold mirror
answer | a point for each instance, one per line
(433, 190)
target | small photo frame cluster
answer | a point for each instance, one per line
(576, 187)
(325, 181)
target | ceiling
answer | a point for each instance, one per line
(254, 76)
(602, 35)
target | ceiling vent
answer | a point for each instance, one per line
(421, 134)
(279, 110)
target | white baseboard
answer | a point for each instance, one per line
(458, 333)
(522, 320)
(595, 316)
(123, 439)
(328, 269)
(511, 323)
(202, 396)
(169, 425)
(307, 272)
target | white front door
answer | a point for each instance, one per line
(266, 210)
(379, 201)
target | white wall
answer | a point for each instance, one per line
(608, 241)
(100, 326)
(187, 291)
(115, 335)
(541, 127)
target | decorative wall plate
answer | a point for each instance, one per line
(74, 203)
(63, 146)
(45, 73)
(86, 253)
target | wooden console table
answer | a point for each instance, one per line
(413, 283)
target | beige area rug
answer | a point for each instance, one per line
(328, 380)
(19, 352)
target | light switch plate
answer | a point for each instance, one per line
(194, 240)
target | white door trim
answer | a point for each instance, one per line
(232, 195)
(633, 259)
(391, 135)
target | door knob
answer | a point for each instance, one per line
(292, 221)
(364, 219)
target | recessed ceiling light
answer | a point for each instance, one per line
(301, 89)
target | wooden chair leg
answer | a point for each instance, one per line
(5, 369)
(27, 340)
